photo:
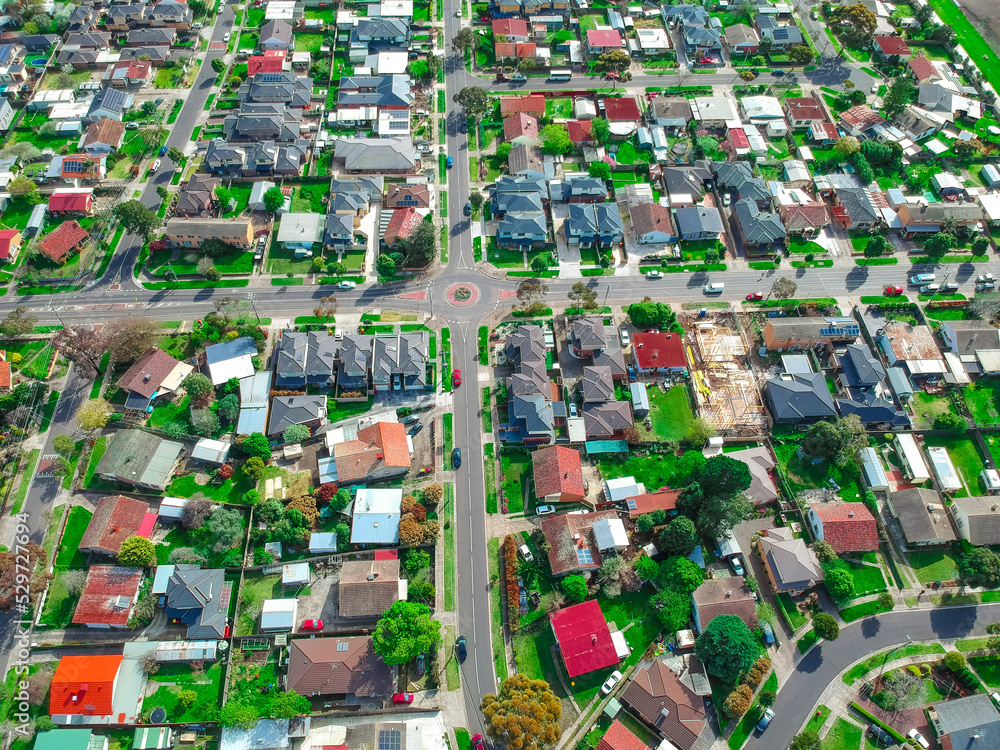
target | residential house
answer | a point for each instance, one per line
(969, 722)
(699, 223)
(193, 233)
(921, 515)
(664, 703)
(62, 242)
(651, 224)
(525, 230)
(286, 411)
(367, 588)
(918, 123)
(823, 133)
(578, 189)
(783, 37)
(266, 121)
(659, 353)
(532, 105)
(596, 385)
(276, 35)
(855, 208)
(108, 596)
(586, 336)
(400, 362)
(607, 420)
(653, 41)
(154, 374)
(375, 516)
(923, 70)
(648, 502)
(558, 475)
(965, 337)
(976, 519)
(847, 527)
(790, 564)
(157, 55)
(379, 451)
(699, 42)
(115, 519)
(912, 347)
(230, 359)
(513, 52)
(796, 398)
(759, 230)
(925, 218)
(10, 245)
(197, 198)
(573, 546)
(129, 74)
(286, 88)
(300, 232)
(305, 359)
(408, 195)
(740, 39)
(600, 41)
(685, 15)
(343, 666)
(353, 363)
(148, 37)
(580, 133)
(859, 120)
(521, 130)
(713, 111)
(515, 29)
(532, 411)
(865, 392)
(685, 186)
(372, 34)
(141, 459)
(394, 155)
(673, 113)
(272, 61)
(350, 202)
(224, 159)
(77, 168)
(72, 202)
(808, 333)
(200, 599)
(622, 114)
(887, 47)
(804, 112)
(83, 688)
(738, 177)
(760, 462)
(618, 737)
(594, 225)
(798, 212)
(723, 596)
(583, 638)
(104, 136)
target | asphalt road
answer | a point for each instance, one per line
(823, 665)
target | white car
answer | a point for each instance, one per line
(346, 285)
(875, 89)
(226, 37)
(526, 553)
(654, 275)
(986, 277)
(545, 510)
(624, 338)
(726, 198)
(914, 735)
(995, 697)
(610, 683)
(458, 14)
(156, 165)
(738, 566)
(715, 288)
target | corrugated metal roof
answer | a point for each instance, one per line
(989, 360)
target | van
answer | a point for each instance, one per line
(197, 26)
(922, 278)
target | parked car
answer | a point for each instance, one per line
(461, 647)
(458, 14)
(468, 209)
(456, 378)
(814, 16)
(892, 291)
(456, 457)
(478, 743)
(526, 553)
(765, 720)
(416, 428)
(312, 625)
(131, 126)
(518, 78)
(654, 275)
(449, 162)
(986, 277)
(986, 286)
(226, 37)
(930, 289)
(914, 735)
(610, 683)
(572, 409)
(624, 338)
(996, 697)
(346, 285)
(410, 419)
(737, 564)
(726, 198)
(421, 665)
(755, 296)
(765, 628)
(403, 698)
(949, 287)
(879, 734)
(922, 278)
(155, 166)
(714, 288)
(163, 151)
(874, 88)
(777, 72)
(545, 510)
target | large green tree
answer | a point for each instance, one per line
(405, 631)
(473, 99)
(680, 537)
(524, 715)
(136, 218)
(673, 609)
(680, 574)
(649, 314)
(825, 626)
(726, 647)
(136, 552)
(574, 587)
(980, 567)
(555, 139)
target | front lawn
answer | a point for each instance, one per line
(248, 41)
(988, 669)
(168, 78)
(174, 678)
(749, 721)
(202, 542)
(868, 579)
(17, 213)
(336, 411)
(281, 261)
(932, 565)
(843, 735)
(795, 618)
(59, 602)
(516, 472)
(69, 546)
(670, 413)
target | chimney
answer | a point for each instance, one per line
(851, 514)
(729, 594)
(593, 639)
(115, 529)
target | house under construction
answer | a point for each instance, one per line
(725, 388)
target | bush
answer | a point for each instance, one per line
(738, 702)
(510, 575)
(954, 661)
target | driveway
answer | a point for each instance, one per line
(743, 532)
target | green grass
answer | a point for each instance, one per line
(69, 555)
(749, 721)
(100, 445)
(248, 41)
(496, 613)
(22, 490)
(670, 412)
(867, 579)
(988, 669)
(983, 401)
(932, 565)
(965, 455)
(806, 642)
(36, 356)
(448, 511)
(47, 411)
(308, 43)
(74, 460)
(818, 719)
(850, 614)
(973, 644)
(875, 661)
(295, 281)
(489, 477)
(804, 475)
(927, 406)
(982, 54)
(53, 530)
(230, 491)
(207, 685)
(515, 472)
(795, 618)
(309, 198)
(59, 602)
(843, 735)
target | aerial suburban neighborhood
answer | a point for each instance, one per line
(502, 375)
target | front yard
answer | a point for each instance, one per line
(932, 565)
(516, 474)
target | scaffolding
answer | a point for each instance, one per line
(726, 391)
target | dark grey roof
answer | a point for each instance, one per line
(872, 407)
(860, 367)
(276, 31)
(380, 91)
(396, 153)
(708, 38)
(919, 524)
(405, 354)
(604, 420)
(373, 29)
(152, 36)
(195, 596)
(305, 353)
(289, 410)
(588, 333)
(155, 53)
(613, 357)
(355, 355)
(759, 227)
(689, 15)
(698, 219)
(531, 378)
(965, 718)
(793, 563)
(672, 108)
(525, 344)
(264, 121)
(519, 184)
(971, 335)
(597, 385)
(687, 179)
(800, 397)
(858, 204)
(284, 87)
(738, 176)
(587, 219)
(89, 40)
(521, 203)
(784, 34)
(531, 224)
(984, 518)
(197, 195)
(290, 157)
(219, 154)
(532, 415)
(111, 100)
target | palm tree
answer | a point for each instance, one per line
(529, 570)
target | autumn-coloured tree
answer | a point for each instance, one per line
(524, 715)
(406, 504)
(433, 494)
(307, 505)
(737, 702)
(9, 571)
(411, 534)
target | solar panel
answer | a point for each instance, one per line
(584, 557)
(389, 739)
(631, 504)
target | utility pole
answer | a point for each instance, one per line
(251, 297)
(58, 316)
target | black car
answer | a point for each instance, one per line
(456, 457)
(416, 428)
(462, 651)
(463, 128)
(879, 734)
(468, 209)
(421, 660)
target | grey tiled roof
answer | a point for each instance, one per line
(597, 385)
(800, 397)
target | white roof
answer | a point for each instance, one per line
(69, 111)
(577, 429)
(728, 545)
(713, 108)
(764, 107)
(989, 359)
(755, 139)
(278, 614)
(911, 454)
(653, 38)
(294, 573)
(238, 367)
(935, 146)
(186, 650)
(944, 469)
(172, 508)
(212, 451)
(622, 488)
(610, 534)
(391, 63)
(872, 469)
(991, 478)
(301, 227)
(376, 516)
(621, 645)
(991, 205)
(956, 368)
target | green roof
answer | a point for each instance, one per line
(64, 739)
(140, 457)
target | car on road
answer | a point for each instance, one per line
(545, 510)
(461, 647)
(463, 128)
(449, 162)
(714, 288)
(765, 720)
(526, 553)
(996, 697)
(456, 457)
(416, 428)
(624, 338)
(403, 698)
(312, 625)
(225, 38)
(518, 78)
(456, 378)
(986, 286)
(892, 291)
(458, 14)
(737, 564)
(879, 734)
(478, 743)
(654, 275)
(609, 684)
(986, 277)
(919, 279)
(410, 419)
(930, 289)
(765, 628)
(814, 16)
(468, 209)
(421, 665)
(346, 285)
(777, 72)
(155, 166)
(914, 735)
(163, 151)
(950, 287)
(755, 296)
(572, 409)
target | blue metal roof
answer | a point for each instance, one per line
(230, 350)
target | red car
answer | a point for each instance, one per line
(477, 742)
(892, 291)
(312, 625)
(753, 296)
(456, 378)
(402, 698)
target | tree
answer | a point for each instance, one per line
(838, 441)
(885, 601)
(524, 715)
(923, 13)
(196, 512)
(476, 200)
(856, 22)
(600, 170)
(84, 347)
(287, 704)
(197, 385)
(229, 407)
(464, 40)
(218, 65)
(876, 247)
(898, 96)
(746, 76)
(404, 631)
(680, 574)
(253, 468)
(951, 421)
(839, 583)
(765, 612)
(64, 445)
(723, 475)
(901, 690)
(846, 146)
(614, 66)
(204, 421)
(612, 574)
(980, 567)
(503, 150)
(984, 307)
(136, 218)
(385, 265)
(646, 568)
(416, 560)
(738, 702)
(783, 288)
(93, 415)
(600, 130)
(680, 537)
(647, 521)
(18, 322)
(420, 247)
(295, 433)
(136, 552)
(64, 81)
(273, 200)
(726, 647)
(574, 587)
(472, 99)
(583, 296)
(226, 526)
(531, 290)
(824, 552)
(651, 315)
(939, 244)
(764, 46)
(24, 188)
(800, 54)
(540, 263)
(807, 740)
(862, 168)
(256, 445)
(185, 698)
(954, 661)
(825, 626)
(555, 139)
(944, 35)
(130, 338)
(233, 714)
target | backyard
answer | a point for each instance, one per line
(802, 474)
(982, 398)
(309, 198)
(174, 678)
(308, 43)
(670, 413)
(927, 407)
(965, 455)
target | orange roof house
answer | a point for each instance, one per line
(558, 474)
(665, 500)
(847, 527)
(923, 70)
(62, 241)
(618, 737)
(108, 596)
(84, 685)
(580, 132)
(391, 438)
(5, 376)
(533, 104)
(66, 202)
(401, 225)
(10, 243)
(115, 519)
(272, 61)
(380, 451)
(514, 50)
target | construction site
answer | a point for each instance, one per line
(727, 393)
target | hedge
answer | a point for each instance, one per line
(543, 274)
(695, 268)
(876, 261)
(886, 302)
(546, 313)
(593, 271)
(871, 717)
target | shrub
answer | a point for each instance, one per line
(225, 471)
(510, 574)
(737, 702)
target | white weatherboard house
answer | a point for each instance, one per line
(910, 459)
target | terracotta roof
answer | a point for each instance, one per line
(579, 131)
(664, 702)
(84, 685)
(108, 595)
(861, 116)
(618, 737)
(530, 103)
(604, 38)
(847, 527)
(354, 459)
(361, 597)
(655, 350)
(568, 554)
(557, 470)
(804, 108)
(650, 501)
(891, 45)
(826, 129)
(810, 214)
(331, 666)
(115, 519)
(584, 638)
(148, 373)
(60, 241)
(651, 217)
(270, 62)
(398, 193)
(70, 201)
(621, 109)
(391, 438)
(725, 596)
(510, 27)
(923, 68)
(401, 225)
(514, 49)
(76, 165)
(520, 125)
(7, 241)
(5, 377)
(106, 131)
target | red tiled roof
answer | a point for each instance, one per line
(847, 527)
(810, 214)
(270, 62)
(391, 438)
(60, 241)
(115, 519)
(725, 596)
(862, 116)
(134, 68)
(7, 241)
(618, 737)
(84, 685)
(68, 201)
(557, 470)
(891, 45)
(148, 373)
(655, 350)
(579, 131)
(401, 225)
(514, 49)
(923, 68)
(650, 501)
(106, 131)
(570, 537)
(510, 27)
(5, 379)
(804, 108)
(738, 137)
(621, 109)
(386, 554)
(99, 600)
(604, 38)
(520, 125)
(584, 638)
(529, 104)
